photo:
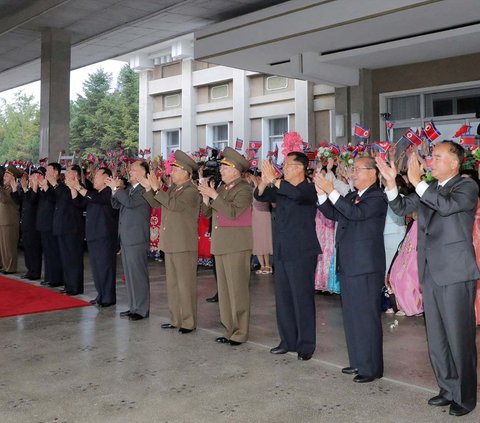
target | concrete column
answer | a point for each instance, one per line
(189, 140)
(145, 113)
(304, 117)
(241, 95)
(54, 93)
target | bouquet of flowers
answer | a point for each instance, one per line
(326, 151)
(292, 141)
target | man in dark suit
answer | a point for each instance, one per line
(53, 270)
(101, 232)
(295, 251)
(360, 264)
(447, 269)
(32, 246)
(134, 231)
(68, 228)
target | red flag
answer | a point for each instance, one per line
(238, 144)
(412, 137)
(468, 141)
(361, 132)
(335, 149)
(431, 132)
(389, 124)
(255, 144)
(253, 163)
(463, 130)
(382, 146)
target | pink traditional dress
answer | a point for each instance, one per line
(205, 257)
(404, 278)
(325, 229)
(476, 244)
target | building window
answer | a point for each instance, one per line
(218, 92)
(218, 135)
(405, 107)
(172, 141)
(273, 83)
(276, 128)
(171, 101)
(449, 103)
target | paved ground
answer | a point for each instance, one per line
(88, 365)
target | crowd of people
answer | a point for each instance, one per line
(375, 226)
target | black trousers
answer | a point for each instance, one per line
(51, 256)
(451, 330)
(295, 303)
(361, 308)
(71, 255)
(103, 261)
(32, 249)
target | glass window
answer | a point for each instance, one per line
(220, 91)
(173, 141)
(172, 100)
(276, 83)
(220, 136)
(276, 129)
(455, 102)
(402, 108)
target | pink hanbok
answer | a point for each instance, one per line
(325, 229)
(404, 278)
(476, 244)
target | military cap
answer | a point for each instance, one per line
(40, 170)
(17, 173)
(184, 161)
(235, 159)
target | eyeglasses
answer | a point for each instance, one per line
(292, 164)
(356, 169)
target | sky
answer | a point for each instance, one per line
(76, 80)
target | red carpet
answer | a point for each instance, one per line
(23, 298)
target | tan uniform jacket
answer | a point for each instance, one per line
(232, 200)
(180, 210)
(9, 210)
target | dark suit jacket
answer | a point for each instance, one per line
(67, 217)
(445, 222)
(102, 218)
(359, 238)
(294, 224)
(45, 209)
(134, 221)
(28, 214)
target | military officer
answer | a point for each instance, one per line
(231, 209)
(178, 239)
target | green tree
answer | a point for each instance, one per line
(101, 117)
(19, 129)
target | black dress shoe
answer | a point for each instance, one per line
(104, 305)
(44, 283)
(363, 379)
(439, 401)
(63, 291)
(213, 299)
(92, 302)
(183, 330)
(278, 350)
(7, 273)
(222, 340)
(234, 343)
(457, 410)
(304, 356)
(350, 370)
(26, 276)
(135, 317)
(125, 313)
(54, 285)
(167, 326)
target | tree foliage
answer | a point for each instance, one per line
(99, 119)
(19, 129)
(103, 117)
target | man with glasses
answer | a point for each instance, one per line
(231, 209)
(295, 251)
(360, 264)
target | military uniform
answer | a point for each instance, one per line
(9, 227)
(231, 243)
(179, 241)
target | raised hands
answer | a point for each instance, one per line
(322, 184)
(389, 172)
(207, 190)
